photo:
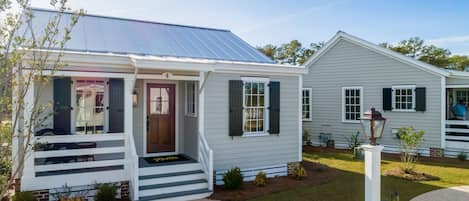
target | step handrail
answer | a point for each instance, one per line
(133, 167)
(206, 159)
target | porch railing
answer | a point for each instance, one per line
(457, 134)
(133, 166)
(75, 160)
(206, 160)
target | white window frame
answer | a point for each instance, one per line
(343, 104)
(196, 98)
(405, 87)
(310, 102)
(266, 105)
(74, 104)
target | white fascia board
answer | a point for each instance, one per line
(87, 59)
(376, 48)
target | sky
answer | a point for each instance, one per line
(260, 22)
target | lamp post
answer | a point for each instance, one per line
(373, 125)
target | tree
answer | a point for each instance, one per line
(25, 58)
(290, 53)
(269, 51)
(458, 62)
(415, 47)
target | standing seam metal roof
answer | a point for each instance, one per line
(105, 34)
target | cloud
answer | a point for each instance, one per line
(449, 40)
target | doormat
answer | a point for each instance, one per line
(166, 159)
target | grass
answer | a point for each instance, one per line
(350, 184)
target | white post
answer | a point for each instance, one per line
(128, 114)
(372, 172)
(201, 101)
(28, 164)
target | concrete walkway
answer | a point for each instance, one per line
(460, 193)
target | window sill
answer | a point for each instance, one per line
(397, 110)
(255, 134)
(191, 115)
(351, 121)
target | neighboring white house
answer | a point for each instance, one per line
(349, 75)
(135, 90)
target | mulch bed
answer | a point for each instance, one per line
(412, 176)
(317, 174)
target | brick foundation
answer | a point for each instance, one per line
(291, 167)
(437, 152)
(41, 195)
(125, 191)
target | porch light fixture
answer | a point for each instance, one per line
(134, 98)
(373, 125)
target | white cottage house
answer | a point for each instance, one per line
(163, 110)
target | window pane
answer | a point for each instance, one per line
(261, 88)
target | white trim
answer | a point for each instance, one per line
(87, 164)
(128, 61)
(376, 48)
(300, 122)
(77, 152)
(343, 103)
(456, 86)
(310, 90)
(79, 138)
(177, 122)
(393, 97)
(196, 97)
(167, 76)
(443, 112)
(266, 105)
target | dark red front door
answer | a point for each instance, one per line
(161, 118)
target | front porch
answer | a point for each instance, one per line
(111, 123)
(457, 127)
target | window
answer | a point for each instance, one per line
(89, 106)
(191, 98)
(306, 104)
(255, 106)
(352, 104)
(403, 98)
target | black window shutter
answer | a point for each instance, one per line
(62, 104)
(116, 105)
(387, 99)
(420, 99)
(274, 107)
(236, 107)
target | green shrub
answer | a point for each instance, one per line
(462, 156)
(106, 192)
(354, 141)
(306, 137)
(299, 172)
(409, 140)
(261, 179)
(24, 196)
(233, 178)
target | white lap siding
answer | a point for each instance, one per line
(250, 152)
(347, 64)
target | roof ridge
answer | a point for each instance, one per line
(130, 19)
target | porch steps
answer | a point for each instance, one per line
(173, 182)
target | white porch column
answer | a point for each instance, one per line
(128, 117)
(201, 103)
(372, 172)
(27, 131)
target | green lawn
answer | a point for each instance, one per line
(349, 186)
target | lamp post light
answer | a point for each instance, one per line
(373, 125)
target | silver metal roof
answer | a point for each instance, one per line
(125, 36)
